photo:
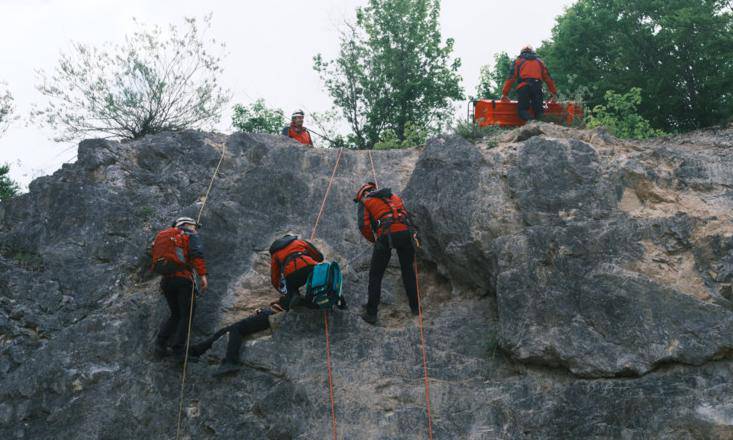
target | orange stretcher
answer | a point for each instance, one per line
(505, 114)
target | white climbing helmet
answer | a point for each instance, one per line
(180, 221)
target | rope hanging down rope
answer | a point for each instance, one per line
(420, 320)
(193, 298)
(325, 314)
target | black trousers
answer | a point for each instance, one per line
(293, 283)
(252, 324)
(177, 292)
(531, 96)
(402, 242)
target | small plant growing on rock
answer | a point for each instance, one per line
(621, 117)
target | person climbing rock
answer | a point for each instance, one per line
(384, 221)
(528, 71)
(296, 130)
(292, 261)
(257, 322)
(177, 252)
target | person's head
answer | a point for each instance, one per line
(297, 118)
(186, 223)
(527, 49)
(364, 190)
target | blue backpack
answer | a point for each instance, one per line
(323, 287)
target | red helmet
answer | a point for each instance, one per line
(366, 188)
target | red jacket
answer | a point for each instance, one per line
(304, 137)
(295, 256)
(528, 66)
(375, 208)
(193, 250)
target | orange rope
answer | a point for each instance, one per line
(424, 354)
(374, 172)
(330, 377)
(422, 332)
(325, 197)
(325, 315)
(193, 299)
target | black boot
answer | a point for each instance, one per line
(370, 318)
(160, 350)
(227, 367)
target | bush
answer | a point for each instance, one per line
(155, 81)
(470, 131)
(620, 116)
(258, 118)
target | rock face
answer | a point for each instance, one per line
(574, 286)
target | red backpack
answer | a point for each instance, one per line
(170, 251)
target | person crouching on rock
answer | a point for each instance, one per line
(258, 322)
(384, 221)
(292, 261)
(178, 251)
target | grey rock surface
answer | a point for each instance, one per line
(574, 286)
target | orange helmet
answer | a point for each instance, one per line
(364, 190)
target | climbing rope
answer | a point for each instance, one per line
(420, 320)
(374, 172)
(193, 298)
(325, 314)
(424, 354)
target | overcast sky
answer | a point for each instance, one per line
(270, 45)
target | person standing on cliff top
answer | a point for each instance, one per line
(296, 130)
(529, 72)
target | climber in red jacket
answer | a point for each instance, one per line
(179, 242)
(528, 71)
(384, 221)
(292, 261)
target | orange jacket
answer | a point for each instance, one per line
(528, 66)
(375, 208)
(295, 256)
(302, 136)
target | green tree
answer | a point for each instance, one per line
(493, 77)
(393, 71)
(258, 118)
(6, 109)
(679, 52)
(8, 188)
(620, 116)
(155, 81)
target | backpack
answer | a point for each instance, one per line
(323, 287)
(169, 252)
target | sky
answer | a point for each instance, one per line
(270, 49)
